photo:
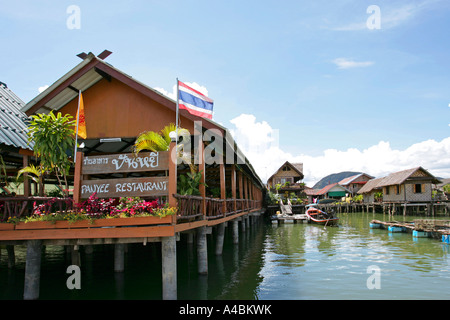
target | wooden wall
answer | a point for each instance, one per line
(113, 109)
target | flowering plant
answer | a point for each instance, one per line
(48, 207)
(132, 206)
(95, 208)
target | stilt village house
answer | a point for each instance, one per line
(331, 191)
(288, 177)
(412, 185)
(346, 187)
(354, 183)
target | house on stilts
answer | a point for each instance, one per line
(117, 109)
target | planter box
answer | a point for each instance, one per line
(6, 226)
(96, 223)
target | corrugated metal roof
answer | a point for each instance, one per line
(324, 190)
(13, 122)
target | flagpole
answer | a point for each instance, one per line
(76, 132)
(178, 99)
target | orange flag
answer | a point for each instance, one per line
(81, 121)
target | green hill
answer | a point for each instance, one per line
(333, 178)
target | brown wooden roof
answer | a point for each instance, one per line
(398, 178)
(297, 167)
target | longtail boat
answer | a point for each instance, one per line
(318, 216)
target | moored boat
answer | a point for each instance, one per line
(318, 216)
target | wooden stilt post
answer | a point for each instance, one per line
(11, 256)
(32, 270)
(119, 257)
(219, 238)
(169, 267)
(235, 231)
(202, 251)
(76, 260)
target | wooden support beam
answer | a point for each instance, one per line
(202, 170)
(223, 194)
(26, 181)
(233, 185)
(241, 185)
(172, 174)
(77, 178)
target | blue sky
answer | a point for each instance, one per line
(338, 95)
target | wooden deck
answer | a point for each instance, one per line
(190, 217)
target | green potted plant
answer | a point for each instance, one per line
(53, 138)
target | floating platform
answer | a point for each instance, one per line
(393, 226)
(430, 228)
(289, 218)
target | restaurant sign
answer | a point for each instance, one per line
(125, 187)
(126, 162)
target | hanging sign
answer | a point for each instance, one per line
(126, 162)
(126, 187)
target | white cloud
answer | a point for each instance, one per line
(41, 89)
(343, 63)
(259, 142)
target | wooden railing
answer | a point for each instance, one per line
(18, 207)
(190, 207)
(214, 208)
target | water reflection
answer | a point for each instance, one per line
(332, 263)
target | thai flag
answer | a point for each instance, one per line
(195, 102)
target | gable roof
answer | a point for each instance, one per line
(86, 74)
(400, 177)
(324, 190)
(13, 121)
(370, 185)
(297, 167)
(348, 180)
(397, 178)
(93, 69)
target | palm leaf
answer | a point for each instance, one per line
(150, 140)
(155, 142)
(165, 132)
(33, 170)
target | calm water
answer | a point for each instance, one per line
(291, 261)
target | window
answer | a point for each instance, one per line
(286, 169)
(387, 190)
(418, 188)
(397, 189)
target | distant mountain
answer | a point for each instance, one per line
(333, 178)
